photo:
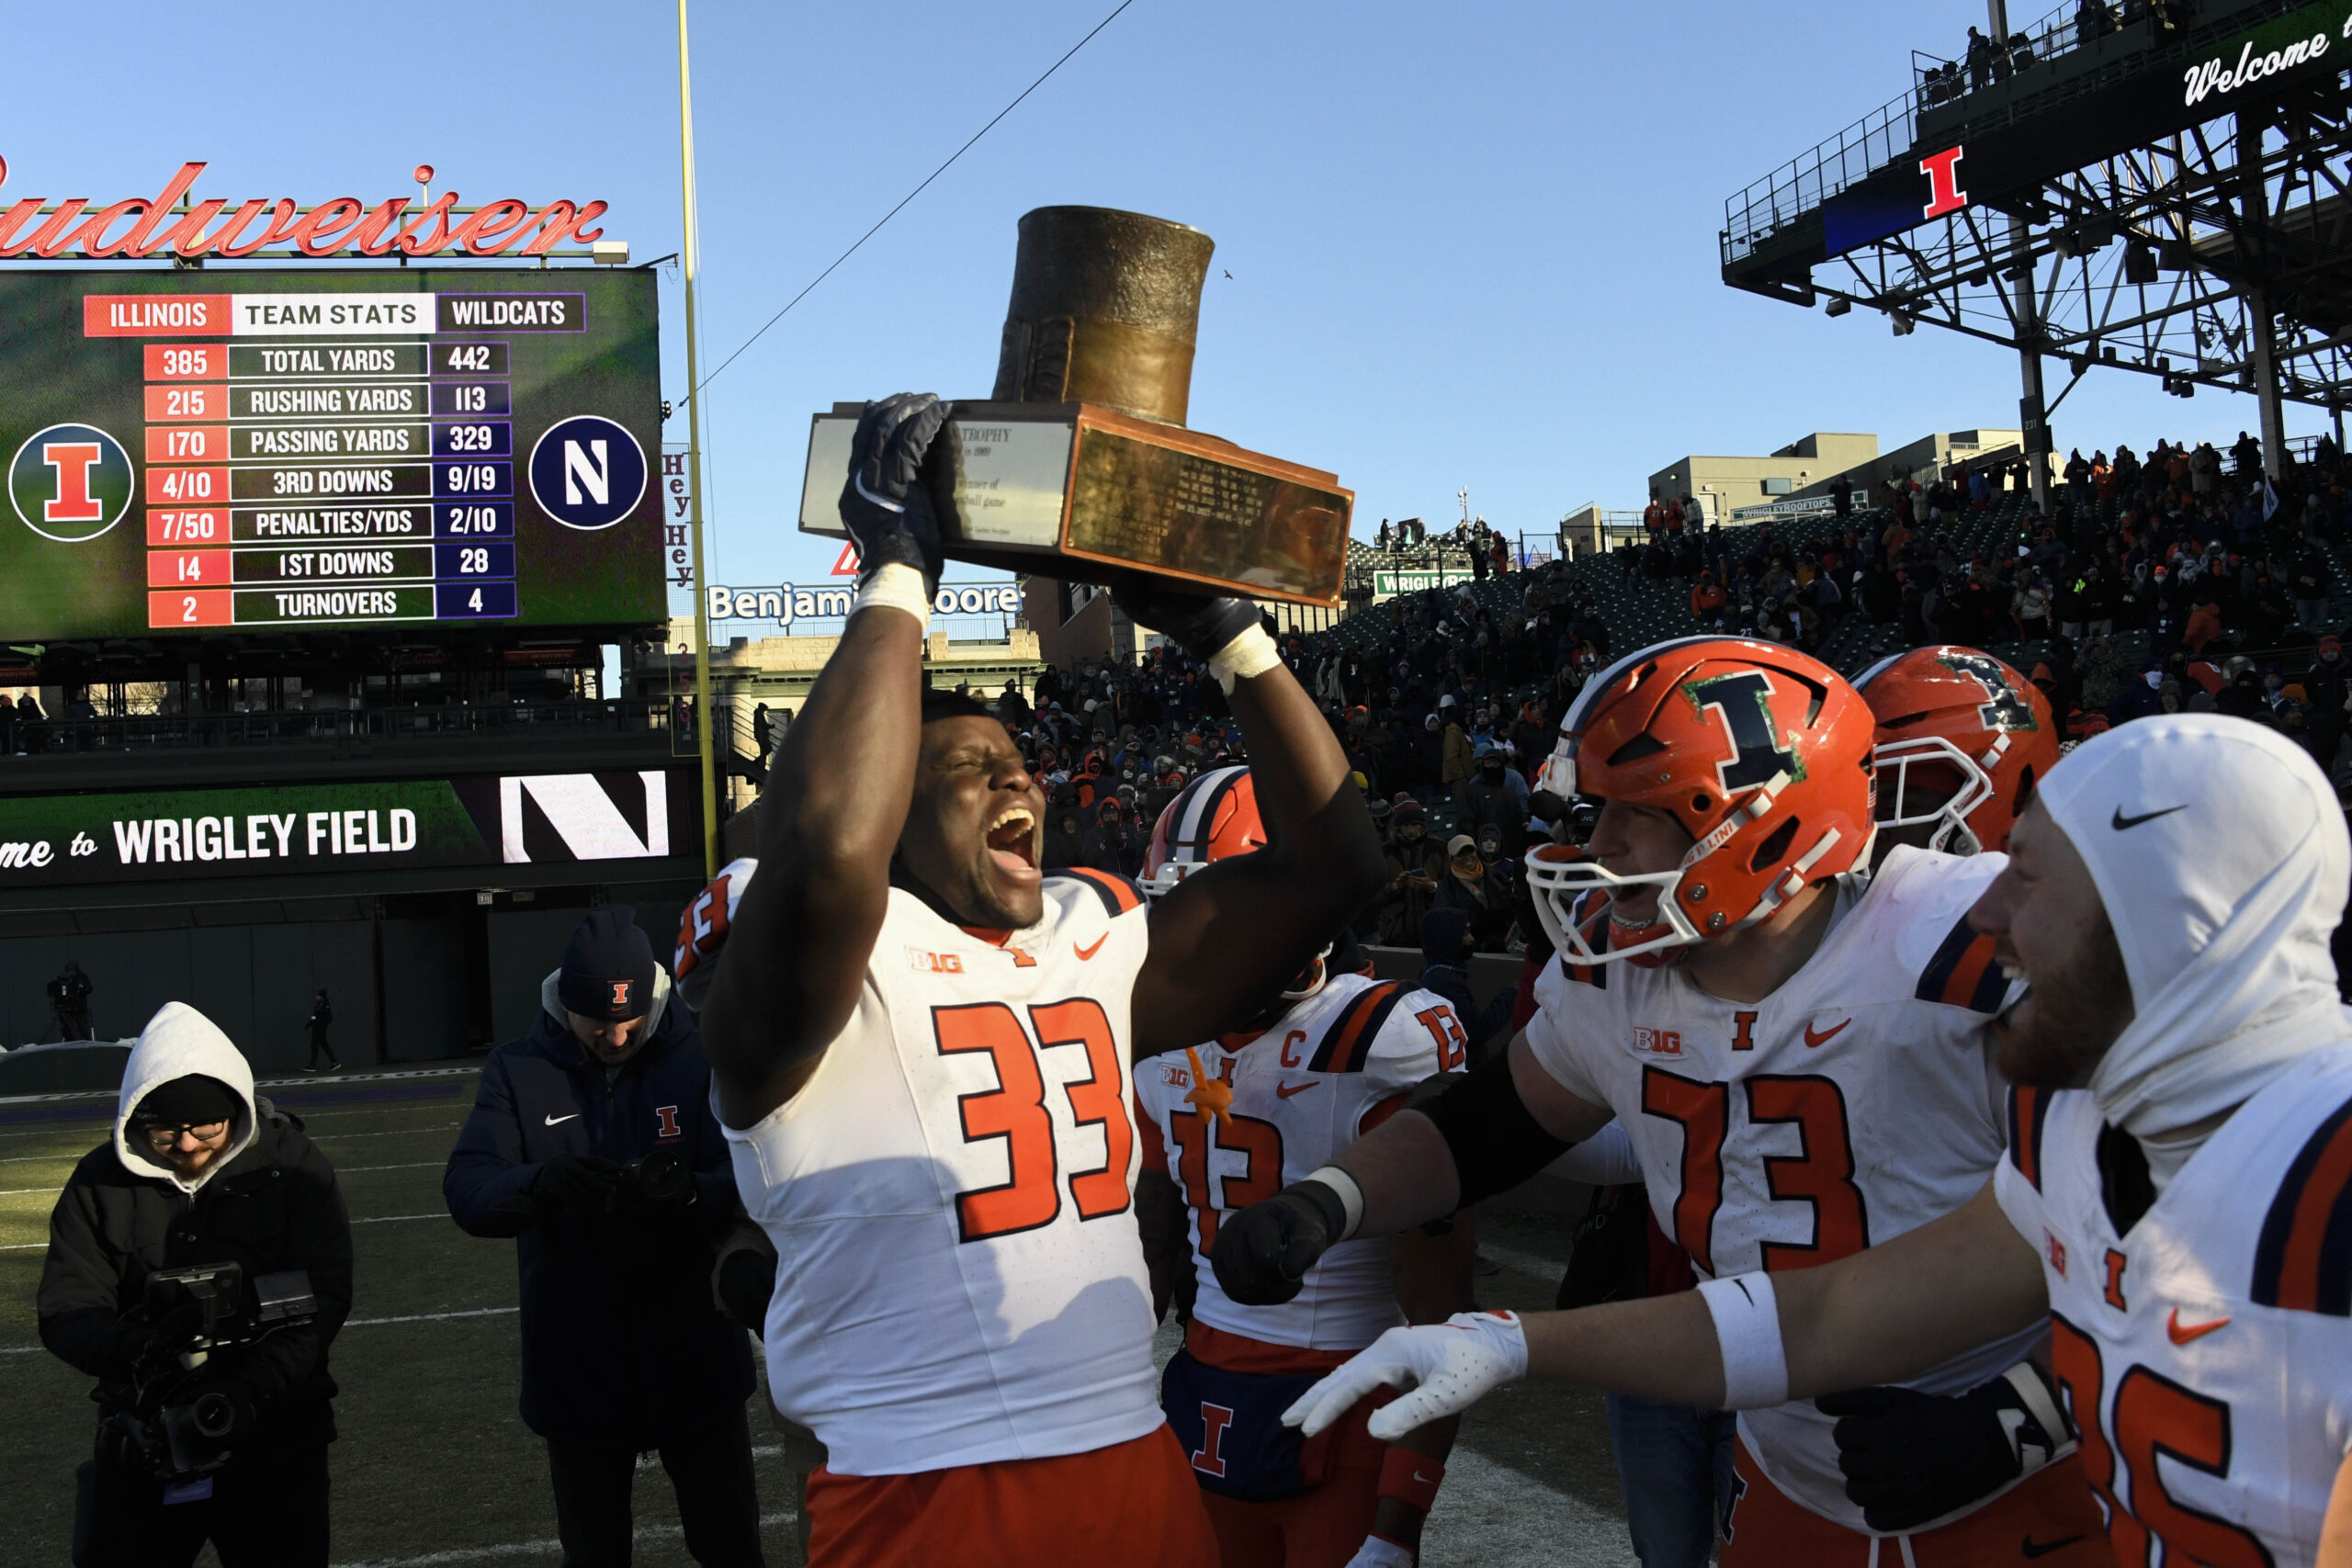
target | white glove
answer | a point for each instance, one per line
(1448, 1366)
(1379, 1551)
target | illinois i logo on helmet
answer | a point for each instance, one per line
(70, 482)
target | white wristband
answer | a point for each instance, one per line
(1747, 1328)
(1350, 1195)
(1251, 653)
(898, 585)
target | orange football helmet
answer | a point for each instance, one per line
(1211, 818)
(1762, 754)
(1959, 723)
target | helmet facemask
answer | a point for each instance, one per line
(1951, 834)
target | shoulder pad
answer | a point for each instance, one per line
(2303, 1260)
(1346, 1039)
(1118, 895)
(2028, 1109)
(1963, 971)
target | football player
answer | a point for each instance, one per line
(1799, 1051)
(1232, 1121)
(2175, 1203)
(1962, 741)
(920, 1046)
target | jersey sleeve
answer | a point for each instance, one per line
(701, 930)
(1551, 1034)
(1420, 1037)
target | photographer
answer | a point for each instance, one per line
(214, 1419)
(593, 1144)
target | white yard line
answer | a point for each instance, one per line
(537, 1548)
(1528, 1263)
(429, 1316)
(388, 1219)
(1491, 1514)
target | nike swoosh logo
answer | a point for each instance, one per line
(1284, 1091)
(2181, 1334)
(553, 1120)
(1826, 1036)
(1086, 952)
(2033, 1548)
(2122, 821)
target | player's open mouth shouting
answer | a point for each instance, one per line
(1012, 841)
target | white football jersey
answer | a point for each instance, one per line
(959, 1280)
(1301, 1093)
(2206, 1354)
(1855, 1103)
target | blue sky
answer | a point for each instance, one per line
(1472, 244)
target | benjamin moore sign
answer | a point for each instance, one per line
(63, 840)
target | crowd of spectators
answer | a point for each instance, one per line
(1447, 715)
(1486, 550)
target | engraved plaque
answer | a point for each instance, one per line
(1010, 475)
(1068, 490)
(1179, 514)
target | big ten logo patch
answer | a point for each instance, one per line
(1175, 1078)
(666, 1126)
(924, 963)
(1659, 1042)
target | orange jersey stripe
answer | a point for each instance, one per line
(2299, 1271)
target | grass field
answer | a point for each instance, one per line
(434, 1469)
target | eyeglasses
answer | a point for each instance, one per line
(203, 1133)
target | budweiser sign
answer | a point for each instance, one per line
(147, 226)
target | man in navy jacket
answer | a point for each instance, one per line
(593, 1144)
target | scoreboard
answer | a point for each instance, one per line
(203, 451)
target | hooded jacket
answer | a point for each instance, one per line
(268, 1202)
(2221, 857)
(622, 1347)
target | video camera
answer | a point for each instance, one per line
(180, 1428)
(657, 1179)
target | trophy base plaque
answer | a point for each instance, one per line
(1083, 492)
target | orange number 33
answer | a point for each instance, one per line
(1015, 1111)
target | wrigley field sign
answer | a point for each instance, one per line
(64, 840)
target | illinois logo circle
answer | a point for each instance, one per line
(70, 482)
(587, 472)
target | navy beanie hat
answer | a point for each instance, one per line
(608, 967)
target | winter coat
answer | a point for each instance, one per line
(623, 1346)
(267, 1202)
(1401, 908)
(1455, 765)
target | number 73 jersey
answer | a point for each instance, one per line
(1329, 1070)
(1856, 1102)
(959, 1280)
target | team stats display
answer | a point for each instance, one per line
(199, 452)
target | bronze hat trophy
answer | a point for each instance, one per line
(1080, 466)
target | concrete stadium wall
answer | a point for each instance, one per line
(255, 981)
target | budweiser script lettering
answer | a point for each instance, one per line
(2222, 75)
(330, 229)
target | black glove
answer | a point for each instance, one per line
(886, 504)
(1263, 1252)
(581, 1181)
(1199, 625)
(152, 1346)
(1911, 1457)
(746, 1284)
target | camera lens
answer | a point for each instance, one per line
(215, 1413)
(661, 1178)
